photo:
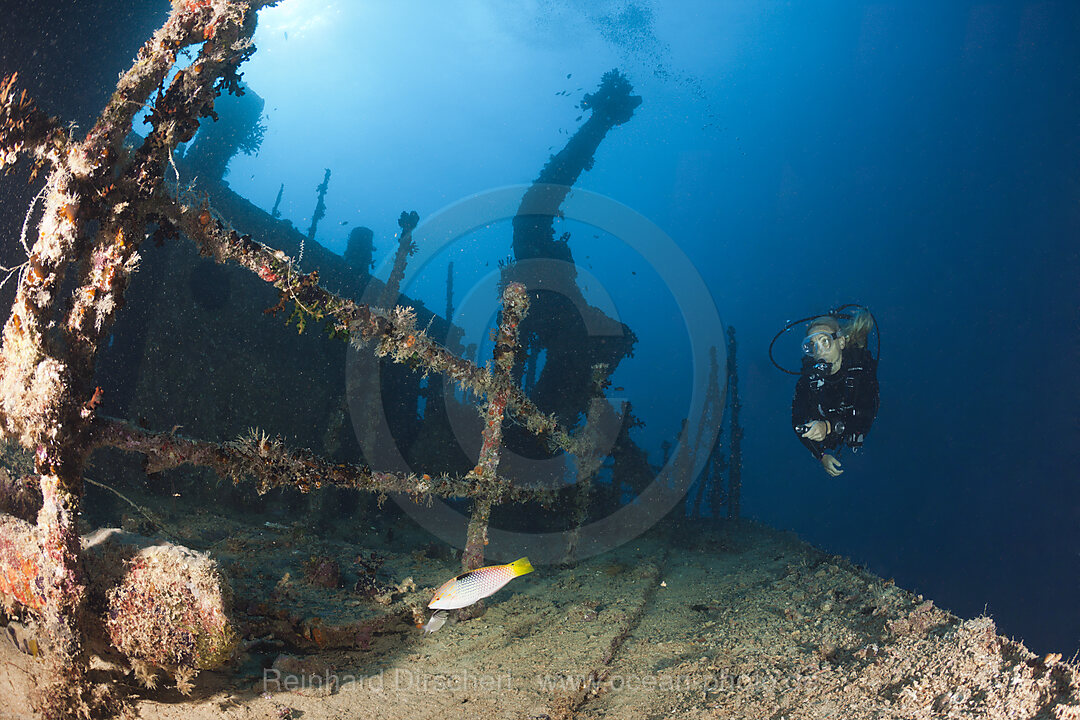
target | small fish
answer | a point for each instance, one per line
(475, 585)
(21, 637)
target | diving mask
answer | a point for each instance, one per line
(819, 343)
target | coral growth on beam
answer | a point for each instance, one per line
(392, 332)
(266, 460)
(25, 129)
(515, 304)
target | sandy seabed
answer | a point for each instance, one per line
(705, 621)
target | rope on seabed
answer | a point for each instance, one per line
(142, 511)
(566, 706)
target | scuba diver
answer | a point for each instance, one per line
(836, 396)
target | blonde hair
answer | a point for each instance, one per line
(826, 321)
(855, 330)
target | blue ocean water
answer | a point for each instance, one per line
(920, 158)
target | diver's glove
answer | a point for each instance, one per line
(831, 464)
(816, 430)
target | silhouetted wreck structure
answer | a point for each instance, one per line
(238, 128)
(574, 335)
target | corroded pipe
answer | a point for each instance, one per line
(515, 302)
(266, 460)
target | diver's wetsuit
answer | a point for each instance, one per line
(848, 399)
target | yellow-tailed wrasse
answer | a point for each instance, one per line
(469, 587)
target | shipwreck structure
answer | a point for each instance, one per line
(100, 202)
(84, 346)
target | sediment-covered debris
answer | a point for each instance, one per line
(171, 610)
(157, 605)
